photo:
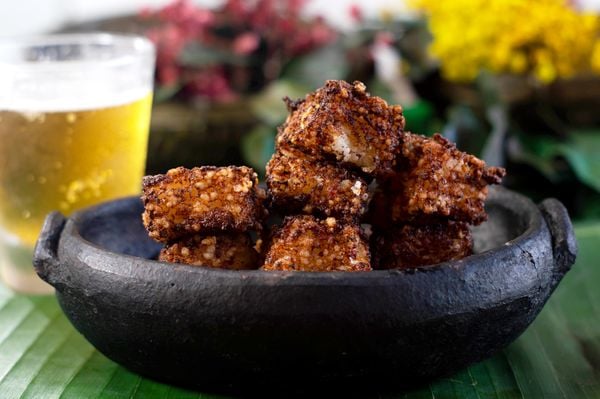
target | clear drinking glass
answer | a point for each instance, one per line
(74, 121)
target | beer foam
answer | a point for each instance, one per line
(74, 72)
(74, 104)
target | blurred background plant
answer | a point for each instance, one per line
(513, 81)
(221, 54)
(546, 39)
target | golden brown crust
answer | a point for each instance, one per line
(298, 184)
(332, 144)
(305, 243)
(341, 121)
(435, 181)
(224, 251)
(202, 200)
(407, 246)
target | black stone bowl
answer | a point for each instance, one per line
(219, 329)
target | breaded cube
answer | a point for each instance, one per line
(341, 121)
(410, 246)
(305, 243)
(225, 251)
(296, 183)
(435, 181)
(202, 200)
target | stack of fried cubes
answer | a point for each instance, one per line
(333, 143)
(342, 158)
(204, 215)
(422, 212)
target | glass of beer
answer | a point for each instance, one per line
(74, 121)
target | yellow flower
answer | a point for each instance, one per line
(518, 62)
(548, 39)
(596, 58)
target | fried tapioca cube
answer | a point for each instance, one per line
(435, 181)
(297, 183)
(409, 246)
(305, 243)
(342, 121)
(202, 200)
(225, 251)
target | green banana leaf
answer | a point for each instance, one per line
(42, 356)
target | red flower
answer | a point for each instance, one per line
(212, 84)
(356, 13)
(239, 27)
(246, 43)
(168, 75)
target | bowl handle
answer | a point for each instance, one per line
(564, 245)
(45, 257)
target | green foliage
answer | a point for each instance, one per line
(269, 108)
(590, 206)
(419, 117)
(538, 152)
(581, 151)
(258, 146)
(465, 129)
(164, 93)
(42, 356)
(197, 55)
(268, 105)
(313, 69)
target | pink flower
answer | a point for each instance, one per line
(168, 43)
(286, 26)
(212, 84)
(146, 12)
(168, 75)
(239, 27)
(236, 8)
(246, 43)
(265, 13)
(321, 34)
(189, 19)
(384, 38)
(295, 6)
(356, 13)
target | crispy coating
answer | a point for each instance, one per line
(408, 246)
(342, 121)
(299, 184)
(225, 251)
(435, 181)
(305, 243)
(202, 200)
